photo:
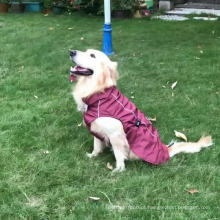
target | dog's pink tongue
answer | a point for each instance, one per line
(72, 78)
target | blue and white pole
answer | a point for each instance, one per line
(107, 40)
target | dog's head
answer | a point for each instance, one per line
(94, 66)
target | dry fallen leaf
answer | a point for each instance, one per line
(79, 125)
(109, 166)
(152, 119)
(46, 152)
(173, 85)
(192, 191)
(33, 201)
(50, 28)
(180, 135)
(94, 198)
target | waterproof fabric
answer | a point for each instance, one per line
(142, 137)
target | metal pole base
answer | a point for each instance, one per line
(107, 41)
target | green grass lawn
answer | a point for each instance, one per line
(44, 171)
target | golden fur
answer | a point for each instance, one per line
(104, 76)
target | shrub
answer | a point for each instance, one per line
(89, 6)
(123, 4)
(97, 6)
(4, 1)
(48, 3)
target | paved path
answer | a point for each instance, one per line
(187, 11)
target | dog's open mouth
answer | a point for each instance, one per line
(78, 70)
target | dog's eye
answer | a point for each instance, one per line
(92, 55)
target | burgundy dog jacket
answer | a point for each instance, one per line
(142, 137)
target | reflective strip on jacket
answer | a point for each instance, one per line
(142, 137)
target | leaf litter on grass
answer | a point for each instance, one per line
(173, 85)
(109, 166)
(152, 119)
(93, 198)
(180, 135)
(64, 186)
(192, 191)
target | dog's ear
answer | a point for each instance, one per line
(103, 77)
(114, 65)
(114, 72)
(109, 73)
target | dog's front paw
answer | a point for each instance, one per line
(91, 155)
(119, 169)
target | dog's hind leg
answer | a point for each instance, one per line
(97, 148)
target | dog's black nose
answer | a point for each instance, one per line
(73, 53)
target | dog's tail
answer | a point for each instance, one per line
(190, 147)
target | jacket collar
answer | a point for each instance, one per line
(98, 96)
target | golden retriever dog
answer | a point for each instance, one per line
(113, 119)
